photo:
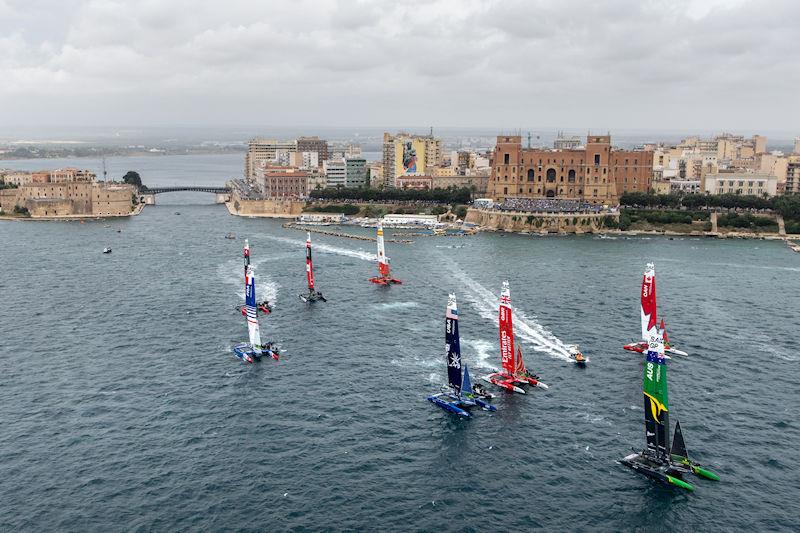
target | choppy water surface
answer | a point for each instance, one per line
(122, 406)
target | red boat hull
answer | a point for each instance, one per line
(385, 281)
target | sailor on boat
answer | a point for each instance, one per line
(576, 355)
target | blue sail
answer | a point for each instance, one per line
(466, 385)
(452, 344)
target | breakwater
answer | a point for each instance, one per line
(301, 227)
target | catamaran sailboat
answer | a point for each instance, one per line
(648, 310)
(254, 349)
(658, 460)
(385, 276)
(514, 376)
(458, 397)
(313, 294)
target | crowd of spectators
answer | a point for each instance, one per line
(543, 205)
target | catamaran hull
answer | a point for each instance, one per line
(510, 383)
(312, 297)
(459, 405)
(635, 462)
(641, 347)
(385, 281)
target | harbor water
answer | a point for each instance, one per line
(123, 407)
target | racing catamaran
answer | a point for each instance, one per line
(514, 375)
(252, 350)
(658, 461)
(458, 396)
(648, 311)
(313, 294)
(385, 276)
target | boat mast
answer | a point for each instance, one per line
(383, 262)
(309, 264)
(452, 344)
(654, 385)
(506, 331)
(648, 301)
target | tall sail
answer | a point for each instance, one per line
(656, 400)
(452, 344)
(648, 301)
(663, 328)
(246, 254)
(506, 331)
(383, 261)
(250, 308)
(309, 264)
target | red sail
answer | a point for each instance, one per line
(520, 369)
(506, 331)
(309, 264)
(648, 301)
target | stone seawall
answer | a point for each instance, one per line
(538, 222)
(265, 208)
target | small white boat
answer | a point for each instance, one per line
(106, 250)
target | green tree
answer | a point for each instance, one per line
(132, 178)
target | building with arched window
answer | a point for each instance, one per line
(596, 173)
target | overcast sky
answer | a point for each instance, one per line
(658, 64)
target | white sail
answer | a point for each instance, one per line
(251, 309)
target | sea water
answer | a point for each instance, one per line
(123, 407)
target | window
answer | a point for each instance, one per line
(505, 190)
(571, 176)
(594, 192)
(596, 159)
(505, 159)
(530, 174)
(551, 175)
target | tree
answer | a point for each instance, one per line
(132, 178)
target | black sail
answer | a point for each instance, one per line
(452, 344)
(678, 445)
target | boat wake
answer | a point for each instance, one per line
(525, 327)
(395, 305)
(358, 254)
(485, 353)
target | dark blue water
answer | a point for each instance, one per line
(122, 406)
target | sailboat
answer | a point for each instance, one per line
(458, 396)
(658, 460)
(514, 375)
(253, 350)
(313, 294)
(384, 276)
(648, 314)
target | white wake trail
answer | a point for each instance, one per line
(525, 327)
(358, 254)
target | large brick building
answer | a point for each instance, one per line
(597, 173)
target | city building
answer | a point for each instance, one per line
(59, 175)
(394, 220)
(684, 186)
(792, 183)
(796, 150)
(355, 172)
(566, 143)
(70, 198)
(335, 173)
(597, 173)
(314, 144)
(376, 179)
(413, 181)
(283, 182)
(261, 152)
(408, 155)
(740, 183)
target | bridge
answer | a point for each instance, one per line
(148, 194)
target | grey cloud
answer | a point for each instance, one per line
(626, 63)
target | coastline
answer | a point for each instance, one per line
(136, 210)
